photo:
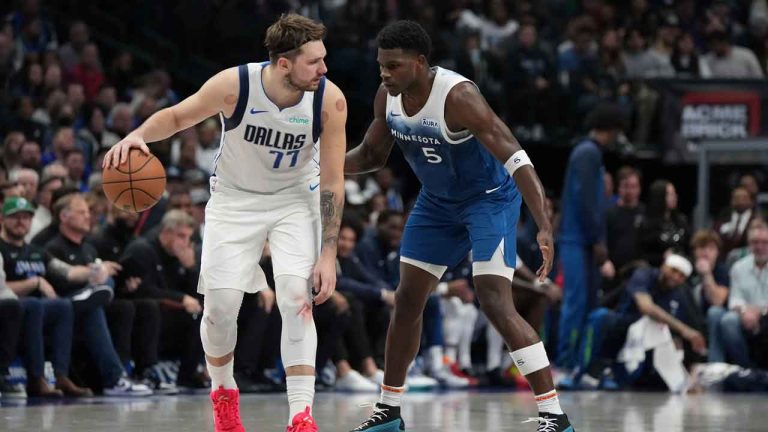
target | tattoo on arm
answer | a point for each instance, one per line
(331, 208)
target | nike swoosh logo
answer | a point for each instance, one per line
(313, 187)
(492, 190)
(255, 111)
(394, 115)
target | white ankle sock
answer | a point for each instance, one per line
(391, 396)
(549, 403)
(301, 392)
(222, 375)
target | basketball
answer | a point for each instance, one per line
(137, 184)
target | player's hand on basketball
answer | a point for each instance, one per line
(324, 278)
(46, 289)
(118, 154)
(547, 247)
(267, 299)
(191, 305)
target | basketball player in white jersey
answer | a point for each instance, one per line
(278, 176)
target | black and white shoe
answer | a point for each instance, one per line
(549, 422)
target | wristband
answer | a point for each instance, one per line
(517, 160)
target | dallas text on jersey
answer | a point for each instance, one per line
(269, 138)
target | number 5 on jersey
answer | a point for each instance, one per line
(431, 154)
(294, 154)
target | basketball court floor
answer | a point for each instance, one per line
(426, 412)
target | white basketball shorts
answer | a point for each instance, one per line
(237, 225)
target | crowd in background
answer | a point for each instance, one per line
(109, 298)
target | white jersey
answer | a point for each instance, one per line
(265, 149)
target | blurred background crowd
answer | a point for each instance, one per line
(97, 299)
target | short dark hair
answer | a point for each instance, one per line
(286, 36)
(406, 35)
(606, 116)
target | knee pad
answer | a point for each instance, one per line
(298, 341)
(218, 328)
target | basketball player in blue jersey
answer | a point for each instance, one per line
(269, 182)
(474, 175)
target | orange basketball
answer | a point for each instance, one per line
(137, 184)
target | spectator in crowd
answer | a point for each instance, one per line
(529, 81)
(258, 325)
(709, 285)
(44, 198)
(750, 182)
(91, 329)
(743, 330)
(209, 137)
(88, 71)
(30, 155)
(121, 120)
(74, 161)
(582, 228)
(70, 52)
(10, 328)
(624, 219)
(47, 319)
(379, 250)
(28, 181)
(370, 302)
(665, 228)
(168, 270)
(657, 293)
(12, 149)
(384, 182)
(730, 61)
(63, 142)
(639, 62)
(686, 60)
(362, 288)
(734, 220)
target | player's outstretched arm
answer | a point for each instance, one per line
(466, 108)
(373, 152)
(218, 94)
(333, 144)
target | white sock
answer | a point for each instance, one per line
(222, 376)
(549, 403)
(391, 395)
(301, 392)
(435, 358)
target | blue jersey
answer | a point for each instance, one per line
(451, 166)
(468, 201)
